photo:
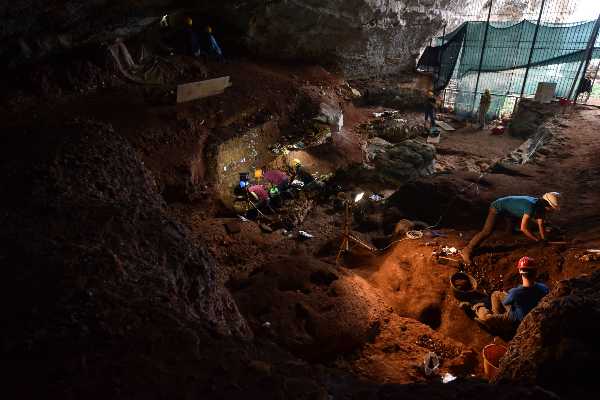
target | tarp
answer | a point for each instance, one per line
(556, 56)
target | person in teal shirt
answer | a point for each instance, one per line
(524, 208)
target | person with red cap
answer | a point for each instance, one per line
(509, 309)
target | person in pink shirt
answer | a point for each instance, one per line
(260, 193)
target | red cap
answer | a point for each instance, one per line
(526, 262)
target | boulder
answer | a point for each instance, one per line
(405, 161)
(395, 129)
(529, 116)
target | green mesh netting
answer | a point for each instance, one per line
(557, 54)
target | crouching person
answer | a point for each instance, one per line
(525, 208)
(509, 309)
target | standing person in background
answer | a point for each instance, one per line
(484, 106)
(193, 40)
(213, 47)
(430, 108)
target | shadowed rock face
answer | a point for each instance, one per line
(98, 277)
(32, 29)
(556, 345)
(363, 37)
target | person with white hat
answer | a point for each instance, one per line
(524, 208)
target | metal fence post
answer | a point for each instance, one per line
(487, 25)
(594, 81)
(535, 33)
(586, 59)
(440, 60)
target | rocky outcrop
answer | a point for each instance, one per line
(556, 345)
(402, 161)
(393, 96)
(363, 37)
(529, 117)
(395, 127)
(389, 164)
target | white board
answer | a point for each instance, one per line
(197, 90)
(545, 92)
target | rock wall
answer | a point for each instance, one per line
(362, 37)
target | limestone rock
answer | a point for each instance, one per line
(395, 127)
(405, 160)
(363, 37)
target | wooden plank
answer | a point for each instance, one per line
(445, 126)
(197, 90)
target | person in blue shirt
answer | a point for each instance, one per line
(212, 47)
(509, 309)
(525, 208)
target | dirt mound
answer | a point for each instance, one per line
(395, 97)
(556, 345)
(313, 309)
(98, 283)
(529, 116)
(443, 200)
